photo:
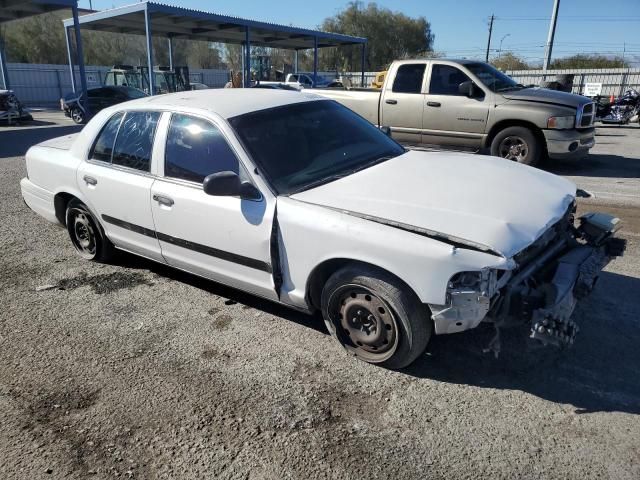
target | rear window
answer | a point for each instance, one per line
(103, 146)
(135, 140)
(409, 78)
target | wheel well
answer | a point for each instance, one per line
(321, 273)
(60, 202)
(498, 127)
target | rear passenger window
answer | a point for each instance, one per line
(196, 148)
(409, 78)
(135, 140)
(103, 147)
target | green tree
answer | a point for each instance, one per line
(589, 61)
(391, 35)
(510, 61)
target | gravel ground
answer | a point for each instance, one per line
(138, 371)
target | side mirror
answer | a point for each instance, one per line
(469, 89)
(228, 184)
(386, 130)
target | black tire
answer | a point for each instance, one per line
(518, 144)
(77, 115)
(375, 316)
(86, 234)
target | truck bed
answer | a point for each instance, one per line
(363, 101)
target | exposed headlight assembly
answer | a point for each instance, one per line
(561, 123)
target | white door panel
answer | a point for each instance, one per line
(121, 200)
(223, 238)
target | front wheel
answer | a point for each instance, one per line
(518, 144)
(86, 235)
(77, 115)
(375, 316)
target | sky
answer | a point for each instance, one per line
(461, 26)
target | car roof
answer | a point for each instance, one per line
(226, 102)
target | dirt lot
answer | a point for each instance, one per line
(137, 371)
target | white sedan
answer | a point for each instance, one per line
(297, 199)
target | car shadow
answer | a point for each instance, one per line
(233, 295)
(597, 165)
(598, 374)
(16, 141)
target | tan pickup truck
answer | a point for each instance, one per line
(471, 105)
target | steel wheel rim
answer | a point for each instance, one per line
(365, 324)
(83, 234)
(513, 148)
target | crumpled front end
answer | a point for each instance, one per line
(543, 289)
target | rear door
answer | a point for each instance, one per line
(451, 118)
(116, 181)
(227, 239)
(402, 103)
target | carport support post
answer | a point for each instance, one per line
(80, 52)
(67, 32)
(315, 61)
(295, 62)
(3, 66)
(364, 51)
(170, 40)
(247, 59)
(147, 31)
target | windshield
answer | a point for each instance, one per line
(493, 78)
(306, 144)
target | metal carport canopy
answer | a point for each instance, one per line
(156, 19)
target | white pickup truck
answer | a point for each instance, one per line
(297, 199)
(471, 105)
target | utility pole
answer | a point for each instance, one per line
(552, 33)
(486, 58)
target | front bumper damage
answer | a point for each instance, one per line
(541, 293)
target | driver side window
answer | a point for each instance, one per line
(445, 80)
(195, 149)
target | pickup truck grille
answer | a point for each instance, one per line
(586, 115)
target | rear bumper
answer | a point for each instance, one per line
(569, 144)
(39, 200)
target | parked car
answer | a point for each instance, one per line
(11, 110)
(299, 200)
(470, 104)
(99, 98)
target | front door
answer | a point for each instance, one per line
(226, 239)
(402, 103)
(116, 181)
(452, 118)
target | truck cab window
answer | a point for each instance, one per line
(135, 140)
(196, 148)
(445, 80)
(409, 78)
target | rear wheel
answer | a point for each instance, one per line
(86, 235)
(375, 316)
(518, 144)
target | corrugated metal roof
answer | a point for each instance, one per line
(15, 9)
(180, 22)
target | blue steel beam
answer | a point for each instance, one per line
(67, 36)
(3, 67)
(147, 26)
(80, 54)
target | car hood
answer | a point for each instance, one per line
(479, 201)
(545, 95)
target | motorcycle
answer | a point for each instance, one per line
(624, 109)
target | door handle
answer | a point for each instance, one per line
(90, 180)
(391, 102)
(162, 200)
(433, 104)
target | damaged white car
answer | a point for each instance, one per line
(299, 200)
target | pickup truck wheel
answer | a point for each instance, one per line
(77, 115)
(375, 317)
(518, 144)
(86, 235)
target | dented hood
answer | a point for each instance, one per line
(479, 200)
